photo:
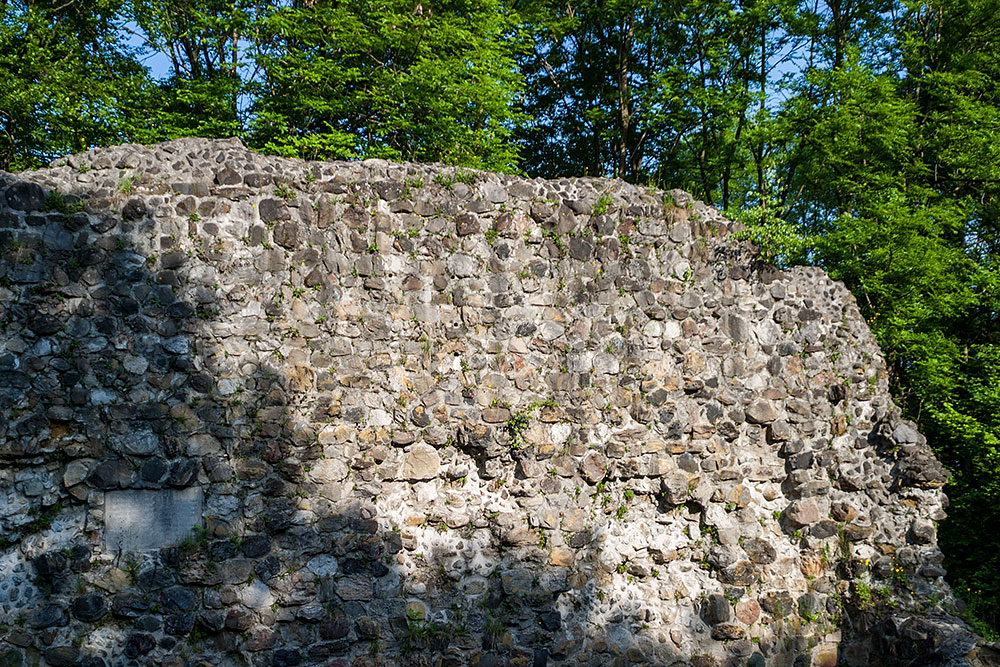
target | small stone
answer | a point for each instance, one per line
(462, 266)
(843, 511)
(760, 551)
(549, 330)
(184, 473)
(286, 657)
(287, 235)
(139, 644)
(420, 416)
(178, 599)
(777, 603)
(256, 595)
(129, 605)
(905, 434)
(809, 605)
(62, 656)
(466, 224)
(178, 624)
(212, 621)
(48, 616)
(368, 628)
(272, 210)
(134, 209)
(227, 176)
(239, 620)
(135, 365)
(495, 415)
(111, 474)
(761, 412)
(550, 620)
(779, 431)
(336, 627)
(140, 443)
(740, 573)
(801, 513)
(354, 587)
(736, 328)
(716, 609)
(89, 608)
(594, 467)
(561, 557)
(748, 611)
(420, 463)
(728, 632)
(22, 196)
(922, 532)
(49, 565)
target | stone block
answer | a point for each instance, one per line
(137, 520)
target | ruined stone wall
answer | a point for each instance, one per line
(270, 412)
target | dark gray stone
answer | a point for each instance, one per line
(62, 656)
(134, 209)
(228, 176)
(129, 605)
(272, 210)
(139, 644)
(178, 599)
(24, 196)
(48, 616)
(178, 624)
(716, 609)
(89, 608)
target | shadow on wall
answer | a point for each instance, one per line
(312, 541)
(231, 537)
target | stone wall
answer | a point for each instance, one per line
(269, 412)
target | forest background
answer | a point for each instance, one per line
(862, 136)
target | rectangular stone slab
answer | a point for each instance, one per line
(146, 520)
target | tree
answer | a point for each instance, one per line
(398, 79)
(210, 46)
(68, 82)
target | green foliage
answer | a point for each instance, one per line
(520, 420)
(390, 79)
(56, 201)
(603, 204)
(777, 240)
(67, 83)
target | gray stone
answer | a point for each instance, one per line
(272, 210)
(761, 412)
(111, 474)
(466, 224)
(801, 513)
(142, 442)
(922, 531)
(256, 595)
(48, 616)
(89, 608)
(736, 328)
(716, 609)
(905, 434)
(77, 471)
(23, 196)
(421, 462)
(134, 209)
(62, 656)
(354, 587)
(594, 467)
(141, 520)
(462, 266)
